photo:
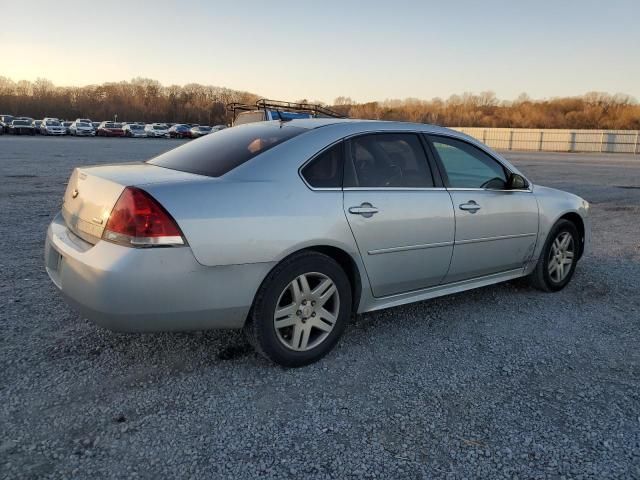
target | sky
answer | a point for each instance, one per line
(319, 50)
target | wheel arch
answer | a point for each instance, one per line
(578, 221)
(342, 258)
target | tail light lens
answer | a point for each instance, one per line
(138, 220)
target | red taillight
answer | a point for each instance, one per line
(138, 220)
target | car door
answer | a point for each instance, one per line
(496, 227)
(401, 219)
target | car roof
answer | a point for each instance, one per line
(312, 123)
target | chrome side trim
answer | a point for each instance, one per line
(470, 189)
(409, 247)
(490, 239)
(391, 189)
(447, 244)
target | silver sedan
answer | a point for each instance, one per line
(287, 229)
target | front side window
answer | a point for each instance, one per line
(215, 155)
(387, 160)
(325, 171)
(467, 166)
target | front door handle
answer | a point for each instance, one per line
(471, 206)
(365, 209)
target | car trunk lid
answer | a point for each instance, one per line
(93, 191)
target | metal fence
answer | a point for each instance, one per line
(610, 141)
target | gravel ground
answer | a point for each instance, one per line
(501, 382)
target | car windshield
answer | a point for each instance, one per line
(82, 124)
(136, 127)
(215, 155)
(53, 123)
(159, 127)
(21, 122)
(204, 129)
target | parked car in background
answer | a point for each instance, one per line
(84, 120)
(179, 130)
(95, 125)
(36, 125)
(134, 130)
(21, 127)
(5, 120)
(81, 128)
(52, 126)
(199, 131)
(110, 129)
(67, 127)
(217, 128)
(156, 130)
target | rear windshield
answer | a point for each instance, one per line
(215, 155)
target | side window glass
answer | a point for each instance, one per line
(387, 160)
(467, 166)
(325, 171)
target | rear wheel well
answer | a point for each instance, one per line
(579, 223)
(348, 265)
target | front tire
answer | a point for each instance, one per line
(300, 310)
(558, 259)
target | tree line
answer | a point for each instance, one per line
(595, 110)
(146, 100)
(141, 99)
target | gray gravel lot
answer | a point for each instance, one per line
(501, 382)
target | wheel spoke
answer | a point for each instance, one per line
(324, 298)
(304, 340)
(285, 322)
(297, 335)
(324, 285)
(560, 271)
(297, 293)
(565, 241)
(553, 265)
(322, 325)
(327, 315)
(287, 311)
(304, 284)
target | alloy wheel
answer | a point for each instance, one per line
(561, 257)
(307, 311)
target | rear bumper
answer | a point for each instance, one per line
(145, 290)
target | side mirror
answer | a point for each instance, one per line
(516, 182)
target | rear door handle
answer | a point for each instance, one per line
(366, 210)
(471, 206)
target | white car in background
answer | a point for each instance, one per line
(156, 130)
(52, 126)
(81, 128)
(134, 130)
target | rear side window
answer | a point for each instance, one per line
(325, 171)
(387, 160)
(215, 155)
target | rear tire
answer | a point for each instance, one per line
(558, 259)
(300, 310)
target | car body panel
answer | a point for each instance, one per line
(500, 236)
(128, 289)
(240, 225)
(407, 245)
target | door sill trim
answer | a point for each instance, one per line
(438, 290)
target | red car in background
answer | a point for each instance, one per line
(110, 129)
